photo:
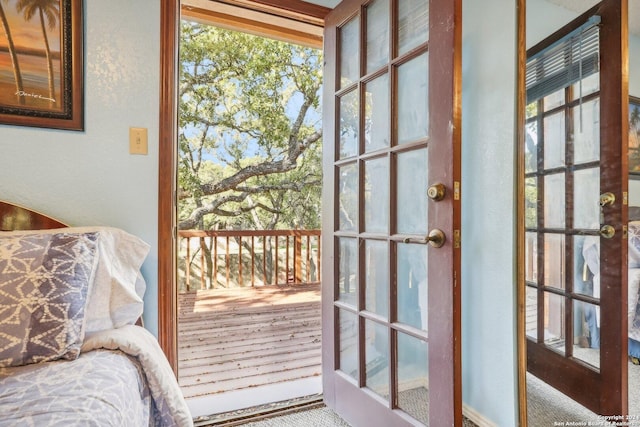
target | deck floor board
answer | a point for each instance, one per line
(230, 339)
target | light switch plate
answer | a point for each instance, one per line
(138, 141)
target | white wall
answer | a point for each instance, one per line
(86, 178)
(489, 363)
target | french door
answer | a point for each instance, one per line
(576, 209)
(391, 200)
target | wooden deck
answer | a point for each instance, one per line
(231, 339)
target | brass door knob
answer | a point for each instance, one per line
(607, 231)
(436, 192)
(607, 199)
(436, 238)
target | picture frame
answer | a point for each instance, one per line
(41, 64)
(634, 138)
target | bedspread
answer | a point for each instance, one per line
(170, 408)
(120, 379)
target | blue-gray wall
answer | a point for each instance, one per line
(89, 177)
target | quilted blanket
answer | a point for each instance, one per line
(120, 379)
(170, 408)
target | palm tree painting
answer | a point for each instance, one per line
(42, 63)
(31, 54)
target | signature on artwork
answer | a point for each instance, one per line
(34, 95)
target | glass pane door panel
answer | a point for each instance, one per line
(350, 52)
(586, 133)
(554, 201)
(591, 268)
(349, 124)
(554, 260)
(413, 377)
(554, 322)
(531, 147)
(377, 34)
(413, 100)
(582, 276)
(348, 197)
(586, 86)
(412, 298)
(586, 198)
(586, 333)
(531, 257)
(531, 320)
(376, 119)
(348, 338)
(413, 24)
(412, 192)
(377, 277)
(348, 270)
(376, 195)
(554, 100)
(531, 202)
(554, 140)
(376, 350)
(634, 138)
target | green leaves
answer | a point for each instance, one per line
(250, 141)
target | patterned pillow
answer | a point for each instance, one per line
(44, 283)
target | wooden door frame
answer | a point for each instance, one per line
(615, 64)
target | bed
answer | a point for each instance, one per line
(72, 352)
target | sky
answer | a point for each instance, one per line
(27, 33)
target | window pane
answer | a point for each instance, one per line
(413, 24)
(348, 271)
(554, 201)
(350, 52)
(348, 197)
(531, 257)
(554, 141)
(531, 202)
(586, 198)
(554, 260)
(554, 100)
(554, 322)
(348, 343)
(377, 34)
(349, 124)
(376, 349)
(531, 147)
(412, 292)
(376, 193)
(377, 277)
(413, 100)
(531, 322)
(587, 333)
(413, 377)
(586, 132)
(588, 86)
(376, 119)
(412, 192)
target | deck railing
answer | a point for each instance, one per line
(209, 259)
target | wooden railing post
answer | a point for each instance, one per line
(303, 268)
(297, 259)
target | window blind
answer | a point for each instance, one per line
(565, 62)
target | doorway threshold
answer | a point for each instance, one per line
(208, 407)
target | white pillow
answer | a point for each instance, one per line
(116, 298)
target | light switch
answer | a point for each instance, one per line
(138, 141)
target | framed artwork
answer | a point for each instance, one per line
(634, 138)
(41, 63)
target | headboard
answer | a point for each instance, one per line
(13, 217)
